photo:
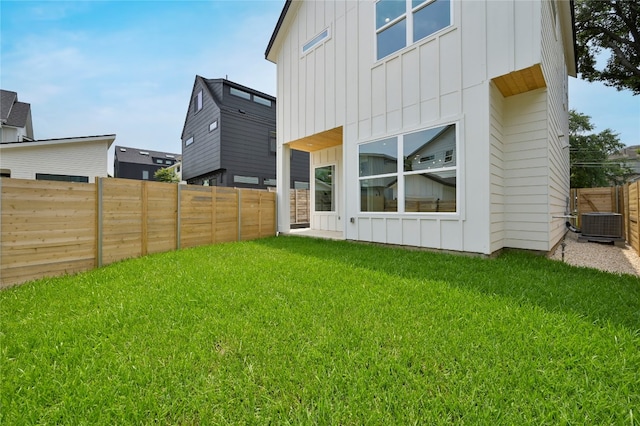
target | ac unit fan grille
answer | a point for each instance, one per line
(602, 225)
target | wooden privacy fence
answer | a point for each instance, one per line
(619, 199)
(54, 228)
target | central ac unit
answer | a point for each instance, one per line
(607, 225)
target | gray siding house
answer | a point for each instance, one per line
(229, 138)
(141, 164)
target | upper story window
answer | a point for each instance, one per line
(197, 102)
(316, 41)
(261, 101)
(213, 125)
(188, 141)
(239, 93)
(400, 23)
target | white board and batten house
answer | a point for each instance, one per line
(430, 123)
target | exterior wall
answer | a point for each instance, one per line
(442, 79)
(134, 170)
(526, 170)
(497, 172)
(555, 71)
(203, 155)
(78, 159)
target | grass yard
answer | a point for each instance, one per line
(292, 330)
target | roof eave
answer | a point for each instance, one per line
(568, 28)
(269, 54)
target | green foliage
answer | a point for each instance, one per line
(612, 26)
(291, 330)
(590, 164)
(166, 175)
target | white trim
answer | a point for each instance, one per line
(409, 42)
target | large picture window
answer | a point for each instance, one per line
(426, 179)
(400, 23)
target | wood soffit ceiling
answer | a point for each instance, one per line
(319, 141)
(520, 81)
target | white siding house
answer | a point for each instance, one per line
(78, 159)
(430, 123)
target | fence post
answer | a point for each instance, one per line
(99, 222)
(214, 217)
(239, 200)
(178, 203)
(144, 214)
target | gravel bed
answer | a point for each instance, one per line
(607, 257)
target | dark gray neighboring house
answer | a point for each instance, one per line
(140, 164)
(229, 138)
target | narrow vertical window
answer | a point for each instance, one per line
(324, 189)
(197, 104)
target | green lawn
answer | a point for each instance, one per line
(293, 330)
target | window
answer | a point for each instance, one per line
(379, 175)
(270, 182)
(145, 175)
(261, 101)
(239, 93)
(169, 162)
(272, 142)
(316, 41)
(188, 141)
(160, 161)
(246, 179)
(213, 125)
(324, 191)
(400, 23)
(62, 178)
(197, 102)
(426, 179)
(5, 173)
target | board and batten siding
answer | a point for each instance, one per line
(77, 159)
(442, 79)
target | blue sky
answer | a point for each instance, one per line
(127, 67)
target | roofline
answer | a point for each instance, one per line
(283, 14)
(43, 142)
(239, 86)
(147, 150)
(568, 29)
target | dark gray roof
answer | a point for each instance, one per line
(12, 112)
(126, 154)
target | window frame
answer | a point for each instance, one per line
(401, 174)
(316, 41)
(239, 93)
(408, 17)
(198, 102)
(188, 141)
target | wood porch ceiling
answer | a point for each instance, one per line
(319, 141)
(520, 81)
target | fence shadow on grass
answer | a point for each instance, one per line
(597, 296)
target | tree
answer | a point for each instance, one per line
(613, 26)
(590, 153)
(166, 175)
